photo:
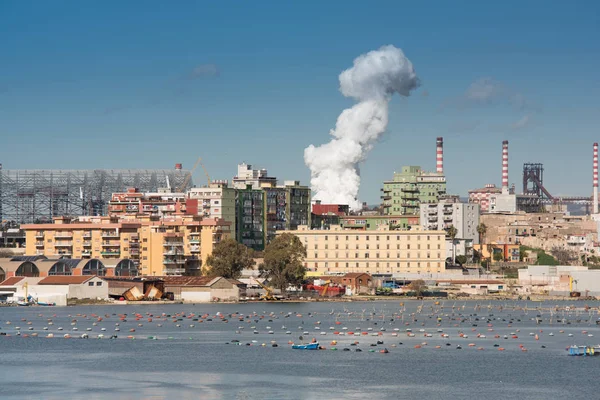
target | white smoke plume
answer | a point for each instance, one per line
(374, 78)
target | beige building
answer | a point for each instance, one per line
(338, 250)
(215, 201)
(173, 245)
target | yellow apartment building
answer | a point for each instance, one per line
(381, 251)
(174, 245)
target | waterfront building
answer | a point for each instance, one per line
(374, 222)
(174, 245)
(250, 217)
(287, 207)
(216, 201)
(256, 178)
(411, 187)
(463, 216)
(382, 251)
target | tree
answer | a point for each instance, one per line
(482, 231)
(462, 259)
(228, 259)
(498, 256)
(562, 256)
(418, 286)
(283, 262)
(452, 232)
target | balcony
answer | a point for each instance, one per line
(110, 234)
(174, 271)
(64, 244)
(39, 235)
(66, 253)
(63, 235)
(87, 235)
(171, 261)
(410, 189)
(39, 244)
(86, 253)
(110, 252)
(195, 249)
(386, 197)
(195, 241)
(409, 205)
(173, 253)
(87, 243)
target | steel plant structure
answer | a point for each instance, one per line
(34, 196)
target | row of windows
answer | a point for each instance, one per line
(377, 237)
(368, 255)
(439, 246)
(375, 264)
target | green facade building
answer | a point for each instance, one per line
(260, 213)
(287, 207)
(409, 188)
(250, 217)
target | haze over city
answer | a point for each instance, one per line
(146, 85)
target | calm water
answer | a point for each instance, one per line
(195, 362)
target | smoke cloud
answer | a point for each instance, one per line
(372, 80)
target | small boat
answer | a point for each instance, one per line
(308, 346)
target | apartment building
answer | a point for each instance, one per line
(411, 187)
(382, 251)
(286, 207)
(463, 216)
(250, 218)
(215, 201)
(162, 203)
(175, 245)
(257, 178)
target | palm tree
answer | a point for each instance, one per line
(482, 230)
(451, 231)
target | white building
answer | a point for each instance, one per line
(215, 201)
(503, 203)
(463, 216)
(257, 178)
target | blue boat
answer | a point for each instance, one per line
(309, 346)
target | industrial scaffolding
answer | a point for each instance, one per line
(36, 196)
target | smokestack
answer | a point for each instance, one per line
(439, 155)
(595, 178)
(505, 167)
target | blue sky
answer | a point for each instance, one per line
(146, 84)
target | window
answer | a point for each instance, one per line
(325, 237)
(367, 237)
(90, 283)
(408, 246)
(98, 283)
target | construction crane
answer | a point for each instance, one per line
(185, 182)
(268, 292)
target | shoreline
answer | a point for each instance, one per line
(400, 299)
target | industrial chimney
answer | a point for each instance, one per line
(505, 167)
(439, 155)
(595, 180)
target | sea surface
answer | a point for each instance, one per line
(193, 356)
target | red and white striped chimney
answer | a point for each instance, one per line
(439, 155)
(505, 166)
(595, 178)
